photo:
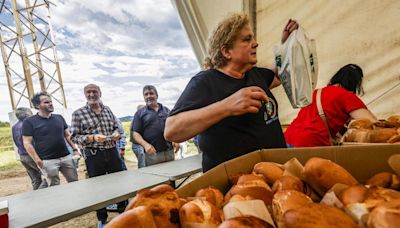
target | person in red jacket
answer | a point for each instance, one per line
(340, 103)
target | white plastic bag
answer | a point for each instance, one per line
(297, 64)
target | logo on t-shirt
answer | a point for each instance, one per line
(270, 111)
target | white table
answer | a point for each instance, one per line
(45, 207)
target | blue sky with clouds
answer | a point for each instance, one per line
(121, 45)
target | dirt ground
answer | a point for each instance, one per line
(16, 181)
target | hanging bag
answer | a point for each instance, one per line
(297, 64)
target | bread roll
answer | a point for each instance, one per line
(250, 185)
(395, 138)
(357, 135)
(381, 135)
(285, 200)
(252, 179)
(317, 216)
(245, 222)
(322, 174)
(288, 183)
(140, 217)
(378, 195)
(353, 194)
(270, 171)
(163, 202)
(199, 211)
(386, 215)
(255, 192)
(360, 124)
(385, 180)
(382, 124)
(233, 179)
(212, 195)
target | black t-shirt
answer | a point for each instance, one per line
(151, 124)
(48, 135)
(234, 135)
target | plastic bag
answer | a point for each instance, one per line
(297, 64)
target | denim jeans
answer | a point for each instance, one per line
(138, 150)
(159, 157)
(52, 167)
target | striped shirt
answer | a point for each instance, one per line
(86, 122)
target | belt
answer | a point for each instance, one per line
(93, 150)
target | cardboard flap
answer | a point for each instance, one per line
(255, 208)
(394, 163)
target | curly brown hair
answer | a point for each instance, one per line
(223, 36)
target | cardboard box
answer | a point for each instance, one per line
(362, 161)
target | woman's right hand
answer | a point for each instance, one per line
(245, 100)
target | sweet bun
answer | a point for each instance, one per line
(286, 200)
(360, 124)
(385, 180)
(385, 215)
(353, 194)
(245, 222)
(199, 211)
(212, 195)
(316, 216)
(140, 217)
(321, 174)
(381, 135)
(288, 183)
(163, 202)
(270, 171)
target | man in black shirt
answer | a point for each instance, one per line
(148, 129)
(43, 136)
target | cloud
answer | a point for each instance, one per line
(121, 45)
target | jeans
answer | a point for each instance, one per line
(101, 162)
(139, 152)
(159, 157)
(52, 167)
(33, 171)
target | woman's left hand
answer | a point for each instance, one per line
(290, 26)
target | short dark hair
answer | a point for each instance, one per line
(350, 78)
(150, 87)
(22, 113)
(36, 98)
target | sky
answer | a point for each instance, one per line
(120, 45)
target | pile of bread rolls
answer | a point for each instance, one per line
(382, 131)
(272, 196)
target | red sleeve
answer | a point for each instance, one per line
(351, 101)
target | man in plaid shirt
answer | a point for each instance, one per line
(95, 129)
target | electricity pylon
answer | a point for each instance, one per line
(29, 51)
